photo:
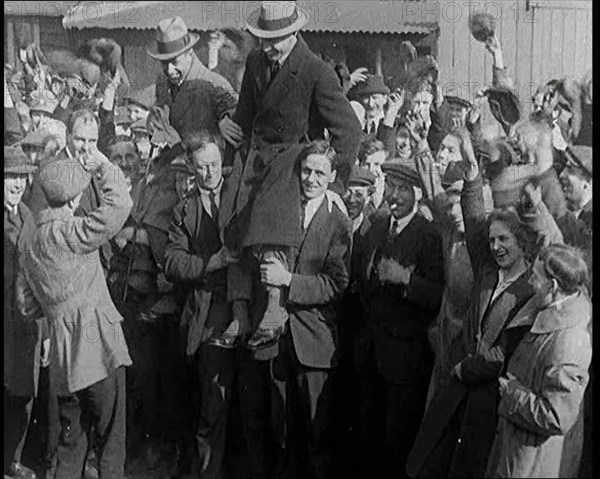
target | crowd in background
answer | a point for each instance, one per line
(314, 276)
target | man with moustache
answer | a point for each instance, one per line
(404, 274)
(198, 98)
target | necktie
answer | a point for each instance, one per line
(214, 212)
(273, 69)
(303, 214)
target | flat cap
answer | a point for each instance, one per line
(16, 161)
(504, 105)
(455, 100)
(397, 173)
(62, 180)
(373, 84)
(361, 177)
(579, 156)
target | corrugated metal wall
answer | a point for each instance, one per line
(541, 40)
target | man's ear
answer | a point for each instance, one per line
(418, 193)
(332, 176)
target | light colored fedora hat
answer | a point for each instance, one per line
(172, 39)
(276, 19)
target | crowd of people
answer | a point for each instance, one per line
(317, 274)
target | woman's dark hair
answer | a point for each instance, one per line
(319, 147)
(527, 238)
(566, 265)
(369, 146)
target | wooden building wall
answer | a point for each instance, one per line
(541, 40)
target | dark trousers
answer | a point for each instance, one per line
(389, 420)
(216, 374)
(156, 382)
(304, 425)
(101, 407)
(17, 414)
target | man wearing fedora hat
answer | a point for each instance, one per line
(87, 350)
(404, 279)
(22, 339)
(197, 97)
(288, 96)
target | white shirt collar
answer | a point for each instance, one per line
(396, 226)
(284, 57)
(12, 209)
(312, 206)
(205, 196)
(356, 222)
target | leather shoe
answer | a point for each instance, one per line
(225, 341)
(19, 471)
(264, 338)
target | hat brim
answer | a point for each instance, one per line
(255, 30)
(169, 56)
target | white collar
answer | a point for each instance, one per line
(312, 206)
(216, 190)
(284, 57)
(397, 225)
(356, 222)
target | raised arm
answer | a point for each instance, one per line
(86, 234)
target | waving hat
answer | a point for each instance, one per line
(276, 19)
(172, 39)
(483, 26)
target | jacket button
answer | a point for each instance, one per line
(280, 129)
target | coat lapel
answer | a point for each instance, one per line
(285, 80)
(315, 230)
(377, 241)
(193, 216)
(497, 314)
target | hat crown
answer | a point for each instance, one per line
(171, 29)
(271, 11)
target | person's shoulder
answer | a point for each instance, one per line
(339, 219)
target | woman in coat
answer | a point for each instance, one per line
(542, 392)
(458, 429)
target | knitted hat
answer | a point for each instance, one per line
(62, 180)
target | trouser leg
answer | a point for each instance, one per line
(17, 414)
(73, 441)
(216, 371)
(106, 401)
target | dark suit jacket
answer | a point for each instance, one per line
(319, 279)
(398, 316)
(186, 257)
(306, 91)
(22, 339)
(201, 102)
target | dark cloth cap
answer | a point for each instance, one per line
(455, 100)
(372, 85)
(579, 156)
(361, 177)
(16, 161)
(62, 180)
(504, 105)
(397, 173)
(159, 127)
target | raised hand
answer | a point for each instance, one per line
(358, 75)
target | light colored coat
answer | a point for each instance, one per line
(62, 274)
(538, 409)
